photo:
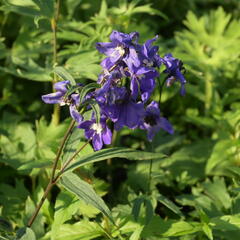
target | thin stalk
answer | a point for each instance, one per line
(150, 172)
(51, 184)
(67, 134)
(51, 181)
(54, 20)
(47, 190)
(161, 89)
(70, 160)
(208, 93)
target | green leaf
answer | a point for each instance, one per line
(103, 9)
(46, 7)
(208, 231)
(22, 7)
(169, 204)
(170, 228)
(29, 70)
(66, 205)
(25, 234)
(82, 230)
(66, 76)
(136, 207)
(137, 233)
(86, 89)
(149, 210)
(104, 154)
(226, 223)
(5, 225)
(222, 155)
(218, 192)
(97, 111)
(73, 143)
(85, 192)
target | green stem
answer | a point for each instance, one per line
(208, 93)
(52, 180)
(47, 190)
(67, 134)
(56, 108)
(69, 161)
(150, 172)
(50, 185)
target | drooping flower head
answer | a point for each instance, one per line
(174, 68)
(153, 122)
(60, 97)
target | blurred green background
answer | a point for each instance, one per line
(194, 191)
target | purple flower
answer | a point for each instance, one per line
(117, 105)
(142, 81)
(120, 46)
(99, 133)
(129, 114)
(110, 100)
(174, 69)
(153, 122)
(60, 97)
(149, 56)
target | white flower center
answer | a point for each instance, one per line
(118, 50)
(97, 128)
(148, 63)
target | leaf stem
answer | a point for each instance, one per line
(70, 160)
(67, 134)
(52, 180)
(54, 20)
(208, 93)
(47, 190)
(150, 173)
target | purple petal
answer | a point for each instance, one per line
(97, 142)
(134, 86)
(75, 114)
(76, 98)
(53, 98)
(166, 125)
(86, 124)
(133, 114)
(105, 48)
(107, 136)
(61, 86)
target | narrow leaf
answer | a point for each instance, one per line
(149, 210)
(86, 89)
(62, 73)
(85, 192)
(169, 204)
(136, 207)
(104, 154)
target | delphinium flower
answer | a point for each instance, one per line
(99, 133)
(127, 82)
(153, 122)
(60, 97)
(174, 68)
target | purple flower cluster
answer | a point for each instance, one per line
(127, 82)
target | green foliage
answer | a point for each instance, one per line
(194, 190)
(85, 192)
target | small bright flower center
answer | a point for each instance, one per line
(97, 128)
(148, 63)
(118, 51)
